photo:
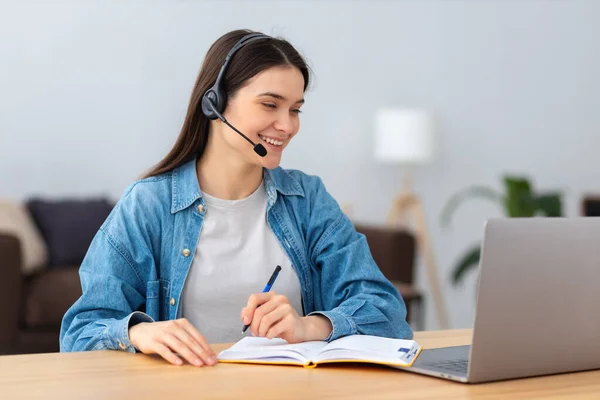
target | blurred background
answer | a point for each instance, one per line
(93, 93)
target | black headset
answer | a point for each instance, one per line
(214, 99)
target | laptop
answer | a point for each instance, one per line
(538, 298)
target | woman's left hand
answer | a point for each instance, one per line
(277, 318)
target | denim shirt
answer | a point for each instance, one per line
(136, 266)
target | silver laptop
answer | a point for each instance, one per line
(538, 302)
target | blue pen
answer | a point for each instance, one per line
(267, 288)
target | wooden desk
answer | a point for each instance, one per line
(117, 375)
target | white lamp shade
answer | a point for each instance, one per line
(404, 136)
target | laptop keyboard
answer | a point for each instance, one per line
(460, 365)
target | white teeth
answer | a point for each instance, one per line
(272, 141)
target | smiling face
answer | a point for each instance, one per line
(266, 110)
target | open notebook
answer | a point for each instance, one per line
(353, 348)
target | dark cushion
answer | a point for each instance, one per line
(49, 295)
(591, 206)
(393, 250)
(68, 226)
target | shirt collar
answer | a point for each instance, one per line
(185, 188)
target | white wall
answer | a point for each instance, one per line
(92, 93)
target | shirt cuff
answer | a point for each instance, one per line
(118, 334)
(342, 325)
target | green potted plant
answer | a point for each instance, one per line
(519, 200)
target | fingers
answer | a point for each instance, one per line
(166, 353)
(259, 314)
(273, 317)
(168, 338)
(286, 324)
(202, 355)
(201, 340)
(254, 301)
(176, 345)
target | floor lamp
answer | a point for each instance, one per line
(405, 137)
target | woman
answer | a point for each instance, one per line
(181, 260)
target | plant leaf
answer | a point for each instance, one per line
(457, 199)
(468, 261)
(519, 200)
(550, 204)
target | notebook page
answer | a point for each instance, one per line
(256, 348)
(371, 348)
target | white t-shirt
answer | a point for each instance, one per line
(236, 254)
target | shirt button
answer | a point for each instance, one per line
(201, 208)
(122, 345)
(172, 302)
(186, 252)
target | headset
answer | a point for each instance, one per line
(214, 99)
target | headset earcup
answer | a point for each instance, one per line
(220, 99)
(217, 98)
(209, 97)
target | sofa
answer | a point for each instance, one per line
(42, 244)
(35, 294)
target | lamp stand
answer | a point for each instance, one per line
(405, 203)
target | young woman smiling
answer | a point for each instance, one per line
(182, 258)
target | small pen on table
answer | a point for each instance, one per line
(267, 288)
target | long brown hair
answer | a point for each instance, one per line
(247, 62)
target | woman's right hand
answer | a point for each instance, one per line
(166, 338)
